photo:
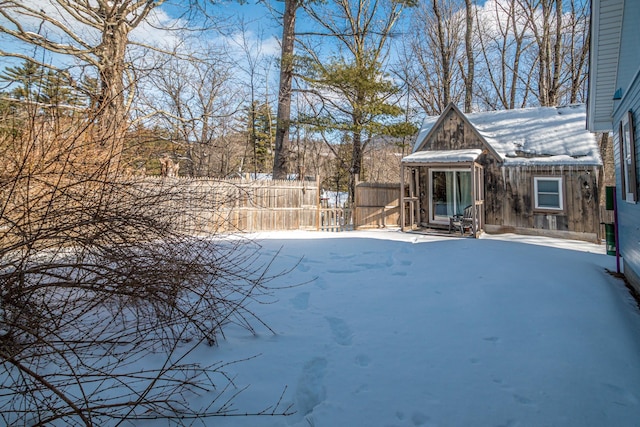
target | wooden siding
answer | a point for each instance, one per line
(453, 134)
(509, 200)
(377, 205)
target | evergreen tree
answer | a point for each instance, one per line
(56, 90)
(356, 95)
(361, 104)
(261, 132)
(43, 90)
(24, 78)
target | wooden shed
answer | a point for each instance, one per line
(527, 171)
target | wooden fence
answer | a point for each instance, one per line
(377, 205)
(336, 219)
(249, 206)
(606, 217)
(209, 206)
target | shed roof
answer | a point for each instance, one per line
(443, 156)
(530, 136)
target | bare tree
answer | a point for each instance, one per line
(102, 40)
(256, 68)
(533, 52)
(195, 97)
(577, 47)
(561, 36)
(545, 20)
(95, 33)
(502, 33)
(434, 55)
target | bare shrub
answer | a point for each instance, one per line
(104, 294)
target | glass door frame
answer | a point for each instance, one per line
(439, 219)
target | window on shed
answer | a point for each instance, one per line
(628, 158)
(548, 193)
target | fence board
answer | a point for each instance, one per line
(377, 205)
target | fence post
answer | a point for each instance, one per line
(354, 208)
(318, 203)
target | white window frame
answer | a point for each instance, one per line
(628, 158)
(560, 193)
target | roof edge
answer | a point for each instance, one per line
(464, 118)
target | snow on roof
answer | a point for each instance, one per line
(443, 156)
(544, 135)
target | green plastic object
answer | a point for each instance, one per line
(609, 198)
(610, 235)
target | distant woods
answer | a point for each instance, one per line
(503, 54)
(339, 97)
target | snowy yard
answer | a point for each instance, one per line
(398, 329)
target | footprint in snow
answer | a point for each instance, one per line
(623, 397)
(303, 267)
(321, 283)
(340, 330)
(419, 419)
(336, 256)
(522, 400)
(363, 360)
(347, 271)
(311, 390)
(300, 301)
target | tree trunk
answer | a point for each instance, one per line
(282, 154)
(579, 46)
(557, 53)
(356, 166)
(468, 39)
(445, 56)
(111, 113)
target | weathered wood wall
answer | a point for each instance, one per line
(454, 134)
(509, 200)
(377, 205)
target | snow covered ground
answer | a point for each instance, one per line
(399, 329)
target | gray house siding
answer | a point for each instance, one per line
(611, 100)
(628, 79)
(628, 213)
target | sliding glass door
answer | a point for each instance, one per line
(450, 193)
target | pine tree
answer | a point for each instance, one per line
(24, 78)
(361, 105)
(261, 132)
